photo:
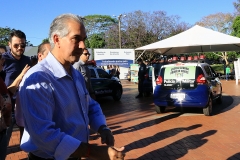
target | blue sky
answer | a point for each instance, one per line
(34, 16)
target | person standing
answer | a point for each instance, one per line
(57, 108)
(141, 73)
(81, 66)
(15, 62)
(3, 49)
(5, 114)
(43, 50)
(118, 72)
(108, 69)
(228, 70)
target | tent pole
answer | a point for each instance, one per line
(140, 55)
(198, 58)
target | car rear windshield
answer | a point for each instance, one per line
(180, 77)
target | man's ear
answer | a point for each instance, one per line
(56, 40)
(39, 56)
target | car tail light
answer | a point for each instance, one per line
(159, 80)
(201, 79)
(146, 76)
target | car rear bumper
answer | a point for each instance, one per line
(197, 97)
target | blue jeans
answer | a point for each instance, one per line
(227, 75)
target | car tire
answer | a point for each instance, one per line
(207, 111)
(219, 99)
(117, 94)
(160, 109)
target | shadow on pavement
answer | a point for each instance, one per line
(158, 137)
(146, 124)
(179, 148)
(235, 156)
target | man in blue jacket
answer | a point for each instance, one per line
(14, 63)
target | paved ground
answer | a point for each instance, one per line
(176, 134)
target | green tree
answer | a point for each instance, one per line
(96, 26)
(45, 40)
(4, 35)
(141, 28)
(96, 41)
(236, 27)
(236, 32)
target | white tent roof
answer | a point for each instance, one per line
(195, 39)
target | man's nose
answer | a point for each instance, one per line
(82, 44)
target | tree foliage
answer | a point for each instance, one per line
(236, 27)
(4, 35)
(96, 27)
(96, 41)
(237, 7)
(45, 40)
(236, 32)
(141, 28)
(221, 22)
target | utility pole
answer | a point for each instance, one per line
(119, 29)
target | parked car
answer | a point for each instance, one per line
(104, 84)
(187, 85)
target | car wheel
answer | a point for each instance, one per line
(208, 109)
(117, 94)
(160, 109)
(219, 99)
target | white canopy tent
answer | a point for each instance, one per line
(195, 39)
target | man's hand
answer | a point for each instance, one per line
(107, 137)
(116, 153)
(25, 69)
(93, 96)
(106, 153)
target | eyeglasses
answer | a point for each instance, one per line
(87, 54)
(21, 45)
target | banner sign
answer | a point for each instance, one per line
(118, 62)
(120, 57)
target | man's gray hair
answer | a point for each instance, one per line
(59, 26)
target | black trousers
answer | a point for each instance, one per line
(33, 157)
(140, 86)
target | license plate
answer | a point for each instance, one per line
(179, 96)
